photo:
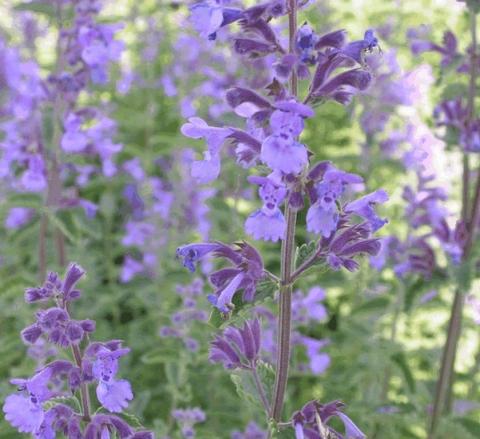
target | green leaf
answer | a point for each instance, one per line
(33, 201)
(401, 361)
(463, 274)
(304, 252)
(160, 355)
(132, 420)
(60, 224)
(38, 6)
(470, 425)
(378, 303)
(70, 401)
(245, 383)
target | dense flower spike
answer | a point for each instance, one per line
(99, 362)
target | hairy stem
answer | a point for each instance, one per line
(399, 304)
(284, 317)
(85, 397)
(444, 386)
(260, 390)
(288, 244)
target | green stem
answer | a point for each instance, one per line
(284, 317)
(260, 390)
(444, 387)
(85, 397)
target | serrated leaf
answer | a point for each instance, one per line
(132, 420)
(70, 401)
(304, 252)
(245, 383)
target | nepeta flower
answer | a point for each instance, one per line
(357, 49)
(323, 215)
(309, 307)
(208, 169)
(247, 270)
(237, 347)
(252, 431)
(267, 223)
(208, 17)
(25, 411)
(312, 421)
(364, 207)
(281, 151)
(17, 217)
(187, 418)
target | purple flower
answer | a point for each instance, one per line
(113, 394)
(357, 49)
(208, 17)
(131, 267)
(318, 361)
(252, 431)
(18, 216)
(192, 253)
(323, 215)
(267, 223)
(306, 425)
(187, 418)
(24, 411)
(349, 242)
(309, 307)
(138, 233)
(341, 87)
(280, 151)
(283, 153)
(34, 179)
(364, 207)
(237, 347)
(306, 44)
(208, 169)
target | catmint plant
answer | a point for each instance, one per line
(457, 115)
(57, 398)
(328, 68)
(52, 137)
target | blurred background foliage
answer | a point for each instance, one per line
(361, 305)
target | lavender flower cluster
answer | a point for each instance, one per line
(56, 399)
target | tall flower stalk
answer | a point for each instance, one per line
(274, 123)
(286, 263)
(470, 217)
